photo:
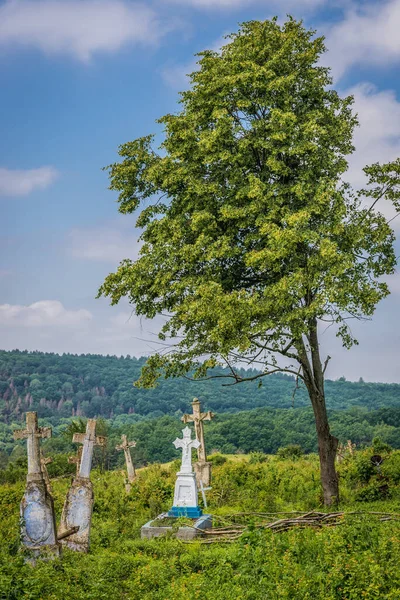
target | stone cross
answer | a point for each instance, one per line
(89, 441)
(198, 418)
(128, 458)
(76, 459)
(350, 447)
(33, 435)
(185, 495)
(186, 444)
(78, 505)
(43, 462)
(38, 526)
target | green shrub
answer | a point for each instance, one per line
(217, 459)
(258, 457)
(292, 451)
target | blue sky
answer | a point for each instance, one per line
(80, 77)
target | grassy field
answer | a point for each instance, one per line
(356, 560)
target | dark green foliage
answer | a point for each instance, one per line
(71, 386)
(257, 457)
(292, 451)
(217, 459)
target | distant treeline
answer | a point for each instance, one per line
(259, 430)
(93, 385)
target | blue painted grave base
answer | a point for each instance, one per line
(192, 512)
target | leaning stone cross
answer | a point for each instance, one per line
(38, 527)
(198, 418)
(202, 467)
(125, 446)
(46, 460)
(33, 435)
(89, 441)
(78, 505)
(76, 460)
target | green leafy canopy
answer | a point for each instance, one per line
(250, 235)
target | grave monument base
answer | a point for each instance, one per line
(149, 531)
(191, 512)
(77, 512)
(38, 528)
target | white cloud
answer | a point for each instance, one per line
(42, 314)
(176, 76)
(377, 139)
(240, 4)
(19, 182)
(106, 244)
(368, 35)
(78, 27)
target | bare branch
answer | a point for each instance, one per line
(328, 358)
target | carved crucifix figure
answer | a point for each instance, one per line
(125, 446)
(185, 496)
(78, 506)
(198, 418)
(38, 527)
(186, 443)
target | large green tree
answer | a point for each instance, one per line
(250, 237)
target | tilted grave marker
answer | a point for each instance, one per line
(46, 460)
(125, 446)
(76, 460)
(78, 506)
(38, 526)
(202, 467)
(185, 496)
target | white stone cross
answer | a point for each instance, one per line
(89, 441)
(128, 458)
(33, 434)
(186, 444)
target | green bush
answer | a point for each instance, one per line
(217, 459)
(257, 457)
(292, 451)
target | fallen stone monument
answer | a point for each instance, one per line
(78, 506)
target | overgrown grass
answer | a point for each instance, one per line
(357, 560)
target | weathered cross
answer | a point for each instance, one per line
(186, 444)
(197, 418)
(128, 458)
(43, 462)
(76, 459)
(89, 441)
(33, 434)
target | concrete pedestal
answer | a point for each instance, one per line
(148, 531)
(38, 527)
(77, 512)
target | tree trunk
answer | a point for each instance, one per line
(327, 446)
(313, 373)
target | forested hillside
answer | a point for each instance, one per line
(93, 385)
